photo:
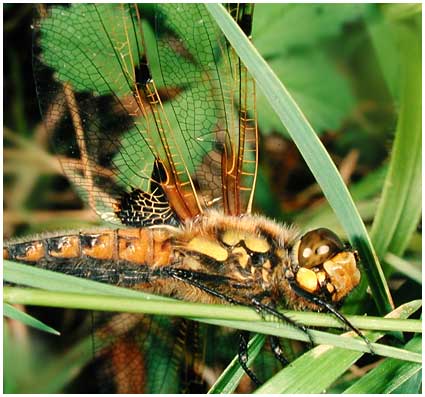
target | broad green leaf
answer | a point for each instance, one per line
(301, 25)
(380, 31)
(298, 58)
(321, 91)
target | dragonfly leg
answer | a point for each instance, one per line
(243, 356)
(277, 350)
(264, 308)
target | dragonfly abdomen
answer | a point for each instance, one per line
(141, 246)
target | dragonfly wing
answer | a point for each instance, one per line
(212, 110)
(104, 128)
(110, 126)
(147, 354)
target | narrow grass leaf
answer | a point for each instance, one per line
(13, 313)
(31, 276)
(140, 304)
(344, 341)
(404, 267)
(236, 318)
(399, 209)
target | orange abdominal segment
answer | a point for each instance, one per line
(97, 245)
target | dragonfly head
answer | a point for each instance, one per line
(325, 267)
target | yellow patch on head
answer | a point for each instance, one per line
(321, 277)
(208, 247)
(307, 279)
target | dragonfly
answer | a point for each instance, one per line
(153, 117)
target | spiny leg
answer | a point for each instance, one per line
(277, 350)
(263, 308)
(243, 356)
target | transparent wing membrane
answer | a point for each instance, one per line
(99, 64)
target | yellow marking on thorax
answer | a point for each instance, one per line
(232, 237)
(242, 256)
(70, 248)
(192, 263)
(265, 275)
(252, 242)
(208, 247)
(257, 244)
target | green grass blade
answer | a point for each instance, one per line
(32, 276)
(404, 267)
(345, 341)
(389, 375)
(312, 150)
(12, 312)
(399, 209)
(317, 369)
(74, 292)
(235, 316)
(231, 376)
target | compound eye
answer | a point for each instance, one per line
(317, 246)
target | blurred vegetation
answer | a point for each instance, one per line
(354, 70)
